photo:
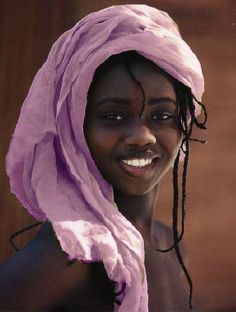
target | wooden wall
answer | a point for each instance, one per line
(27, 30)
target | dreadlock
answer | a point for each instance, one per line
(186, 120)
(27, 228)
(14, 235)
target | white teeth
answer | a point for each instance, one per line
(137, 162)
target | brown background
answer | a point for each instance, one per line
(27, 30)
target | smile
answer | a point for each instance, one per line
(137, 162)
(139, 167)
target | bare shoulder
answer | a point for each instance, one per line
(41, 268)
(163, 235)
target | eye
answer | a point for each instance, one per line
(113, 116)
(162, 116)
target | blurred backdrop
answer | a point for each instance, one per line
(27, 30)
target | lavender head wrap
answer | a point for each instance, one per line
(49, 164)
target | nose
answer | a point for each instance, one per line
(140, 135)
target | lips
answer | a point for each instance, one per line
(140, 164)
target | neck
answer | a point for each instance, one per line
(138, 209)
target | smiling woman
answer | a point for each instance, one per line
(108, 114)
(138, 149)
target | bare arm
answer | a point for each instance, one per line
(38, 276)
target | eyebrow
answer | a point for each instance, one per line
(153, 101)
(126, 102)
(113, 99)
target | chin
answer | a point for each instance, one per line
(136, 190)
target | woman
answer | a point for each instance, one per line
(107, 115)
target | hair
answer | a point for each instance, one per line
(186, 121)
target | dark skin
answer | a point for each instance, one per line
(38, 277)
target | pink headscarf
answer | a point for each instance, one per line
(49, 164)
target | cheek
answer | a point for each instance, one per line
(94, 142)
(170, 139)
(99, 141)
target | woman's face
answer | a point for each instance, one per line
(132, 153)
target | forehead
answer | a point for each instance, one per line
(115, 80)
